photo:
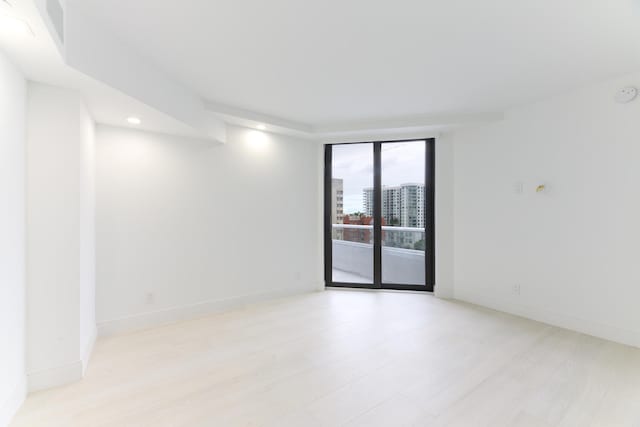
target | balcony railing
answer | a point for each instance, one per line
(402, 257)
(384, 228)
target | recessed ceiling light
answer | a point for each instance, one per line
(133, 120)
(12, 25)
(261, 127)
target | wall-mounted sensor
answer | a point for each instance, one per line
(626, 94)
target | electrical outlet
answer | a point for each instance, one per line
(516, 289)
(150, 297)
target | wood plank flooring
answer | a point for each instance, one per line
(350, 358)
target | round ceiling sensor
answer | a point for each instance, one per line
(626, 94)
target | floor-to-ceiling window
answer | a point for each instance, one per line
(379, 215)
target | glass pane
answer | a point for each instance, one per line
(351, 213)
(403, 213)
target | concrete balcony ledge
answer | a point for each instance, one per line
(401, 266)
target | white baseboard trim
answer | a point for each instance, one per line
(9, 408)
(588, 327)
(443, 292)
(187, 312)
(55, 377)
(88, 349)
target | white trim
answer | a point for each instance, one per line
(88, 349)
(407, 122)
(10, 407)
(55, 377)
(588, 327)
(229, 113)
(192, 311)
(418, 127)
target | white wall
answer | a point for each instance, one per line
(186, 227)
(444, 205)
(12, 239)
(88, 328)
(572, 250)
(60, 235)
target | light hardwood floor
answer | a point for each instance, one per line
(350, 358)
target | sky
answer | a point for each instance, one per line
(402, 162)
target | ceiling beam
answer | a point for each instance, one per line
(408, 122)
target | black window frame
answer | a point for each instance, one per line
(429, 209)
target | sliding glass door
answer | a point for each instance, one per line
(379, 215)
(351, 226)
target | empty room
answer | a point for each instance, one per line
(225, 213)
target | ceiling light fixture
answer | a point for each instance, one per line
(261, 127)
(133, 120)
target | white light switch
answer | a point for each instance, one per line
(518, 187)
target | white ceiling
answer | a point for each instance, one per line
(39, 60)
(328, 62)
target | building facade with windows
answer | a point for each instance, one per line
(402, 205)
(337, 206)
